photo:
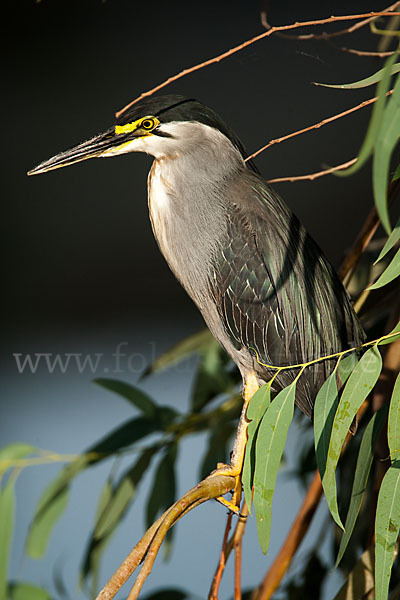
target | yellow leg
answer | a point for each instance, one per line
(239, 448)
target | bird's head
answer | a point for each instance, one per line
(160, 126)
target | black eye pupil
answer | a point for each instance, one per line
(147, 124)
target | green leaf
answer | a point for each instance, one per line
(391, 339)
(390, 242)
(259, 403)
(57, 492)
(7, 515)
(387, 524)
(325, 407)
(218, 447)
(43, 524)
(391, 272)
(27, 591)
(13, 452)
(396, 175)
(371, 80)
(388, 136)
(211, 378)
(189, 346)
(347, 364)
(269, 449)
(163, 492)
(394, 420)
(122, 496)
(374, 126)
(357, 388)
(135, 396)
(360, 581)
(361, 474)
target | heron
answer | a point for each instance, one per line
(264, 288)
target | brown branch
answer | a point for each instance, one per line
(366, 52)
(216, 59)
(213, 594)
(147, 548)
(312, 176)
(325, 35)
(227, 548)
(314, 126)
(237, 540)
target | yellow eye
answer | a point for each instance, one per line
(147, 124)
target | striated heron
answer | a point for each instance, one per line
(263, 286)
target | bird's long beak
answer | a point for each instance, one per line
(96, 146)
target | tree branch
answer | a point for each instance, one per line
(324, 35)
(216, 59)
(147, 548)
(315, 125)
(312, 176)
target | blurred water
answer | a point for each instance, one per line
(66, 412)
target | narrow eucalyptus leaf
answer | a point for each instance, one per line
(391, 272)
(375, 121)
(218, 447)
(387, 524)
(162, 494)
(371, 80)
(135, 396)
(13, 452)
(361, 474)
(123, 495)
(259, 403)
(391, 241)
(396, 175)
(325, 407)
(191, 345)
(269, 449)
(7, 515)
(360, 581)
(394, 421)
(388, 136)
(43, 523)
(346, 366)
(357, 388)
(393, 338)
(27, 591)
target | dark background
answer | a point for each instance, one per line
(79, 246)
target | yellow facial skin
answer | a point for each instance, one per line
(146, 124)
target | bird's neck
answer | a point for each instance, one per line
(187, 208)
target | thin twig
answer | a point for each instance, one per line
(312, 176)
(314, 126)
(366, 52)
(237, 544)
(216, 59)
(213, 594)
(325, 35)
(234, 540)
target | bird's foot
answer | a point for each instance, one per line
(233, 471)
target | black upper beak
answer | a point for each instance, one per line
(89, 149)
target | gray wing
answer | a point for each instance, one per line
(277, 294)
